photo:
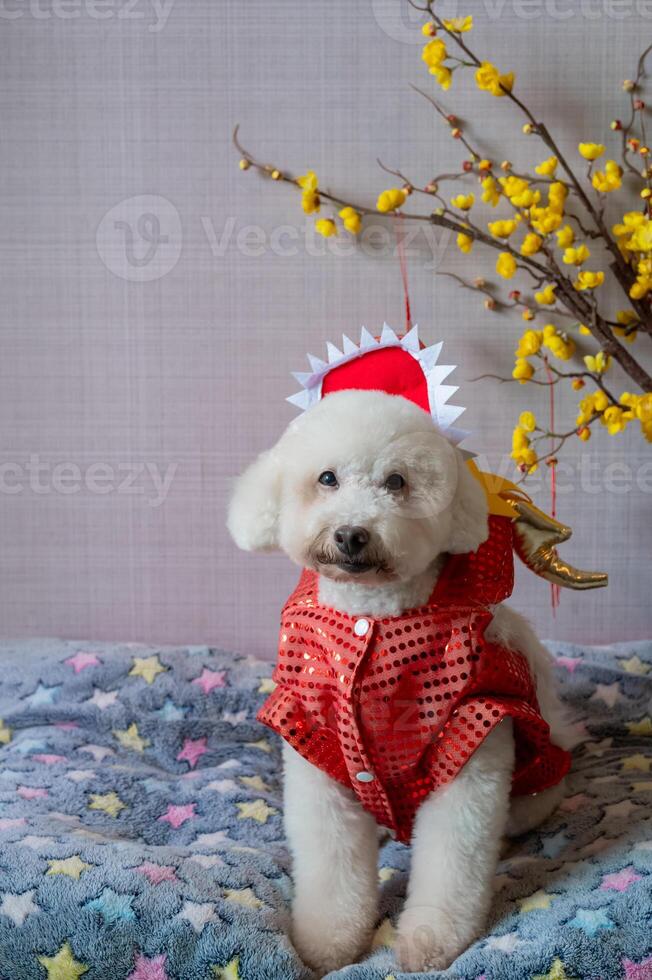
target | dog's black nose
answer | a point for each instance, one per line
(351, 539)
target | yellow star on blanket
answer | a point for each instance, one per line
(228, 972)
(63, 966)
(243, 896)
(107, 802)
(642, 787)
(255, 810)
(539, 900)
(72, 866)
(385, 935)
(635, 666)
(255, 782)
(267, 685)
(261, 744)
(642, 727)
(386, 873)
(638, 762)
(147, 667)
(5, 733)
(556, 972)
(130, 738)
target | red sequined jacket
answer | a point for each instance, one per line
(394, 707)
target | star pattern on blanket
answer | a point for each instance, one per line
(149, 969)
(109, 803)
(18, 906)
(72, 866)
(148, 668)
(63, 966)
(556, 972)
(82, 660)
(135, 838)
(591, 921)
(230, 971)
(112, 906)
(130, 738)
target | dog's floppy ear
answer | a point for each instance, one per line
(255, 504)
(470, 511)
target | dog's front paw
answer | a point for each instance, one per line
(325, 944)
(425, 941)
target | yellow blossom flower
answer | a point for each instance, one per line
(351, 220)
(502, 229)
(577, 384)
(558, 343)
(576, 256)
(444, 76)
(506, 265)
(434, 52)
(614, 419)
(429, 29)
(520, 439)
(565, 236)
(523, 370)
(641, 240)
(631, 221)
(326, 227)
(490, 192)
(546, 296)
(527, 421)
(589, 280)
(463, 201)
(557, 194)
(529, 343)
(584, 433)
(531, 244)
(489, 79)
(627, 329)
(310, 201)
(597, 364)
(644, 408)
(546, 220)
(547, 167)
(391, 199)
(642, 285)
(464, 242)
(584, 330)
(528, 314)
(591, 151)
(608, 179)
(308, 182)
(459, 25)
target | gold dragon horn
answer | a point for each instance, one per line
(535, 537)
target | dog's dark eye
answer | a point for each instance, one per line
(328, 479)
(394, 482)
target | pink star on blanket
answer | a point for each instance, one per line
(8, 823)
(146, 969)
(638, 971)
(82, 660)
(208, 680)
(156, 873)
(49, 758)
(620, 881)
(570, 663)
(192, 751)
(177, 815)
(32, 792)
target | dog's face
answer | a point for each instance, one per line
(362, 486)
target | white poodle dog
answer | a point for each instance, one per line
(365, 491)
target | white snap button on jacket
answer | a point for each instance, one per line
(361, 627)
(364, 777)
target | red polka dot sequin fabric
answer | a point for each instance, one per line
(393, 708)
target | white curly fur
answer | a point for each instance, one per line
(363, 436)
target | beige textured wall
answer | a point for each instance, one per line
(127, 359)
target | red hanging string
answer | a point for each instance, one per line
(554, 589)
(402, 261)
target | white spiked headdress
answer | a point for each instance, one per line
(411, 370)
